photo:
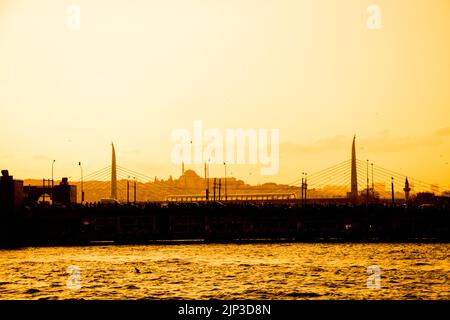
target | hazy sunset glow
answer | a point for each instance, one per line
(138, 70)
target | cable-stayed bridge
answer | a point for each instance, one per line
(353, 179)
(335, 181)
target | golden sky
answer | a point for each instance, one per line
(139, 69)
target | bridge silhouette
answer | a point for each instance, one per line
(336, 180)
(351, 179)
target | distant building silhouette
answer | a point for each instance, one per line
(62, 194)
(191, 180)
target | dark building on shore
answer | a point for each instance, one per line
(62, 194)
(11, 192)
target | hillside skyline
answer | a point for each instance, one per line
(135, 73)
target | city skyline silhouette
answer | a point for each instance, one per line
(318, 76)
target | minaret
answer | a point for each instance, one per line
(407, 189)
(354, 178)
(113, 175)
(182, 175)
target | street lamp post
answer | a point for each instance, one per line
(392, 191)
(367, 186)
(128, 190)
(373, 184)
(225, 167)
(207, 179)
(53, 184)
(82, 192)
(303, 188)
(134, 190)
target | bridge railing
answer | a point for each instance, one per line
(233, 197)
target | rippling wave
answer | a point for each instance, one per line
(227, 271)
